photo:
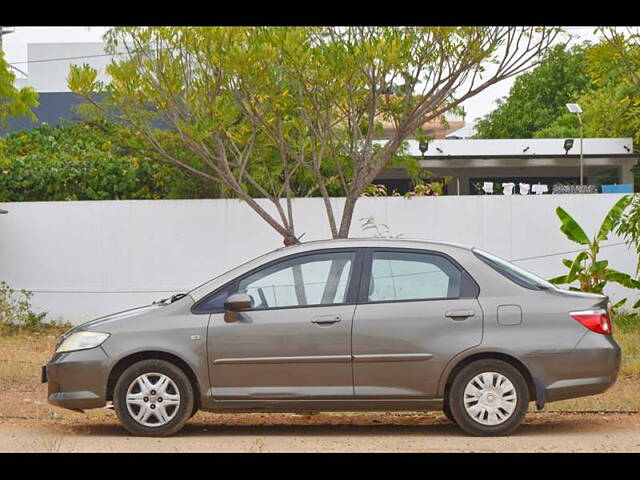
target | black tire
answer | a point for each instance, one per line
(456, 398)
(193, 412)
(447, 412)
(185, 408)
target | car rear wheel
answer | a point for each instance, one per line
(153, 398)
(488, 398)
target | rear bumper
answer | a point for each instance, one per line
(590, 368)
(77, 380)
(578, 387)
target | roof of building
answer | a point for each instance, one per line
(522, 148)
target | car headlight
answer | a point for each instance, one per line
(82, 341)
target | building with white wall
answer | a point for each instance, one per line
(47, 68)
(48, 63)
(541, 160)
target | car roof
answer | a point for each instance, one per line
(372, 242)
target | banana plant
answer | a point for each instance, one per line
(593, 274)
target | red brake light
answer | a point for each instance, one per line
(595, 320)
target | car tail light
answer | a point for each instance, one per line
(595, 320)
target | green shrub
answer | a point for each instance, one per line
(87, 161)
(16, 314)
(626, 321)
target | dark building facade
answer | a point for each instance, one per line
(55, 108)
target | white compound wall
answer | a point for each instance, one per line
(87, 259)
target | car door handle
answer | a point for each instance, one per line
(459, 314)
(326, 319)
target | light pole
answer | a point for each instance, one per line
(575, 108)
(4, 31)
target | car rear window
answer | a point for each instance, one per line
(514, 273)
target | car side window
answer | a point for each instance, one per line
(315, 279)
(215, 301)
(412, 276)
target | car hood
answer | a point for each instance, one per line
(105, 323)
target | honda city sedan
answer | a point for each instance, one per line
(345, 325)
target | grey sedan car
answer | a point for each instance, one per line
(345, 325)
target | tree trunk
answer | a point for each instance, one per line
(333, 281)
(347, 215)
(298, 284)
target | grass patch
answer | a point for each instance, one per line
(626, 321)
(23, 353)
(626, 331)
(630, 344)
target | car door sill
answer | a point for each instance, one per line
(333, 405)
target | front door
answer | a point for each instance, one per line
(295, 341)
(416, 311)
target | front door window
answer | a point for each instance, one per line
(320, 279)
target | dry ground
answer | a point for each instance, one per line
(28, 423)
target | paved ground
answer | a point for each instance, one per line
(362, 432)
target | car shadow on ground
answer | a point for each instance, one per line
(200, 428)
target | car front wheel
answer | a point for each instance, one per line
(489, 398)
(447, 412)
(153, 398)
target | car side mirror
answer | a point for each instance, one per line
(234, 303)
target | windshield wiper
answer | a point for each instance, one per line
(171, 299)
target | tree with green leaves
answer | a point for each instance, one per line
(253, 107)
(611, 104)
(591, 273)
(621, 50)
(82, 161)
(612, 107)
(14, 102)
(538, 98)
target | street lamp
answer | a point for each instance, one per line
(4, 31)
(423, 146)
(568, 145)
(575, 108)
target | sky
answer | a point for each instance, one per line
(15, 48)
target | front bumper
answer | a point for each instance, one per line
(78, 380)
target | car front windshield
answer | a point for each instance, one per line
(513, 272)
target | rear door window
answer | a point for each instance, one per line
(401, 275)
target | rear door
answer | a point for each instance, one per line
(416, 310)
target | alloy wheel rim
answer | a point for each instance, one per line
(153, 399)
(490, 398)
